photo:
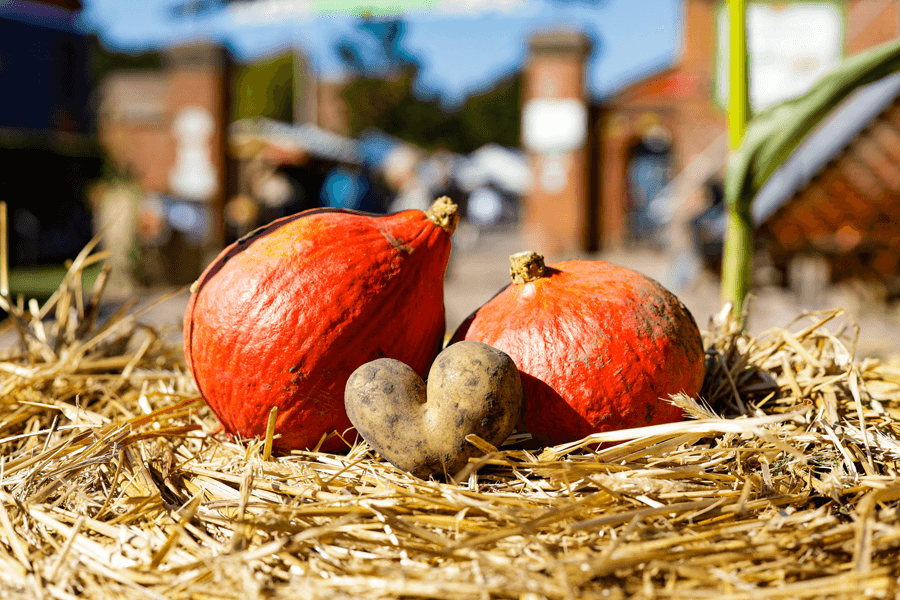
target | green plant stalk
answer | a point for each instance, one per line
(770, 138)
(737, 257)
(738, 88)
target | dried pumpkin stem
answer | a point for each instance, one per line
(444, 213)
(526, 266)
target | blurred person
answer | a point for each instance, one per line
(347, 188)
(276, 193)
(401, 175)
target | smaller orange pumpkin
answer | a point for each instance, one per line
(599, 347)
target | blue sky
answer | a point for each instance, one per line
(459, 53)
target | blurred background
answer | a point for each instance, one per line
(577, 128)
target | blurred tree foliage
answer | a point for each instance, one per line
(493, 115)
(104, 61)
(264, 89)
(380, 95)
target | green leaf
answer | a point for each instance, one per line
(776, 132)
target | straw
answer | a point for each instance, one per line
(116, 481)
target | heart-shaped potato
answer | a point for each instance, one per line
(422, 428)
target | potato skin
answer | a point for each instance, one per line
(422, 428)
(381, 398)
(480, 386)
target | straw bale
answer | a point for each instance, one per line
(117, 482)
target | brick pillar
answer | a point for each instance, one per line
(198, 102)
(554, 127)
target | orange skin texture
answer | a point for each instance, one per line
(597, 346)
(285, 315)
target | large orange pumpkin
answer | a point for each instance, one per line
(599, 347)
(283, 316)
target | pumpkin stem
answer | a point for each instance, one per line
(526, 266)
(444, 213)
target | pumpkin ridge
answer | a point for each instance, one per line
(396, 243)
(399, 294)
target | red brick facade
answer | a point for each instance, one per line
(679, 101)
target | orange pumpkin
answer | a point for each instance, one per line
(283, 316)
(599, 347)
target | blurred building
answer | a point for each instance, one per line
(332, 113)
(48, 153)
(197, 182)
(166, 131)
(651, 158)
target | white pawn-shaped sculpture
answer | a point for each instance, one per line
(194, 174)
